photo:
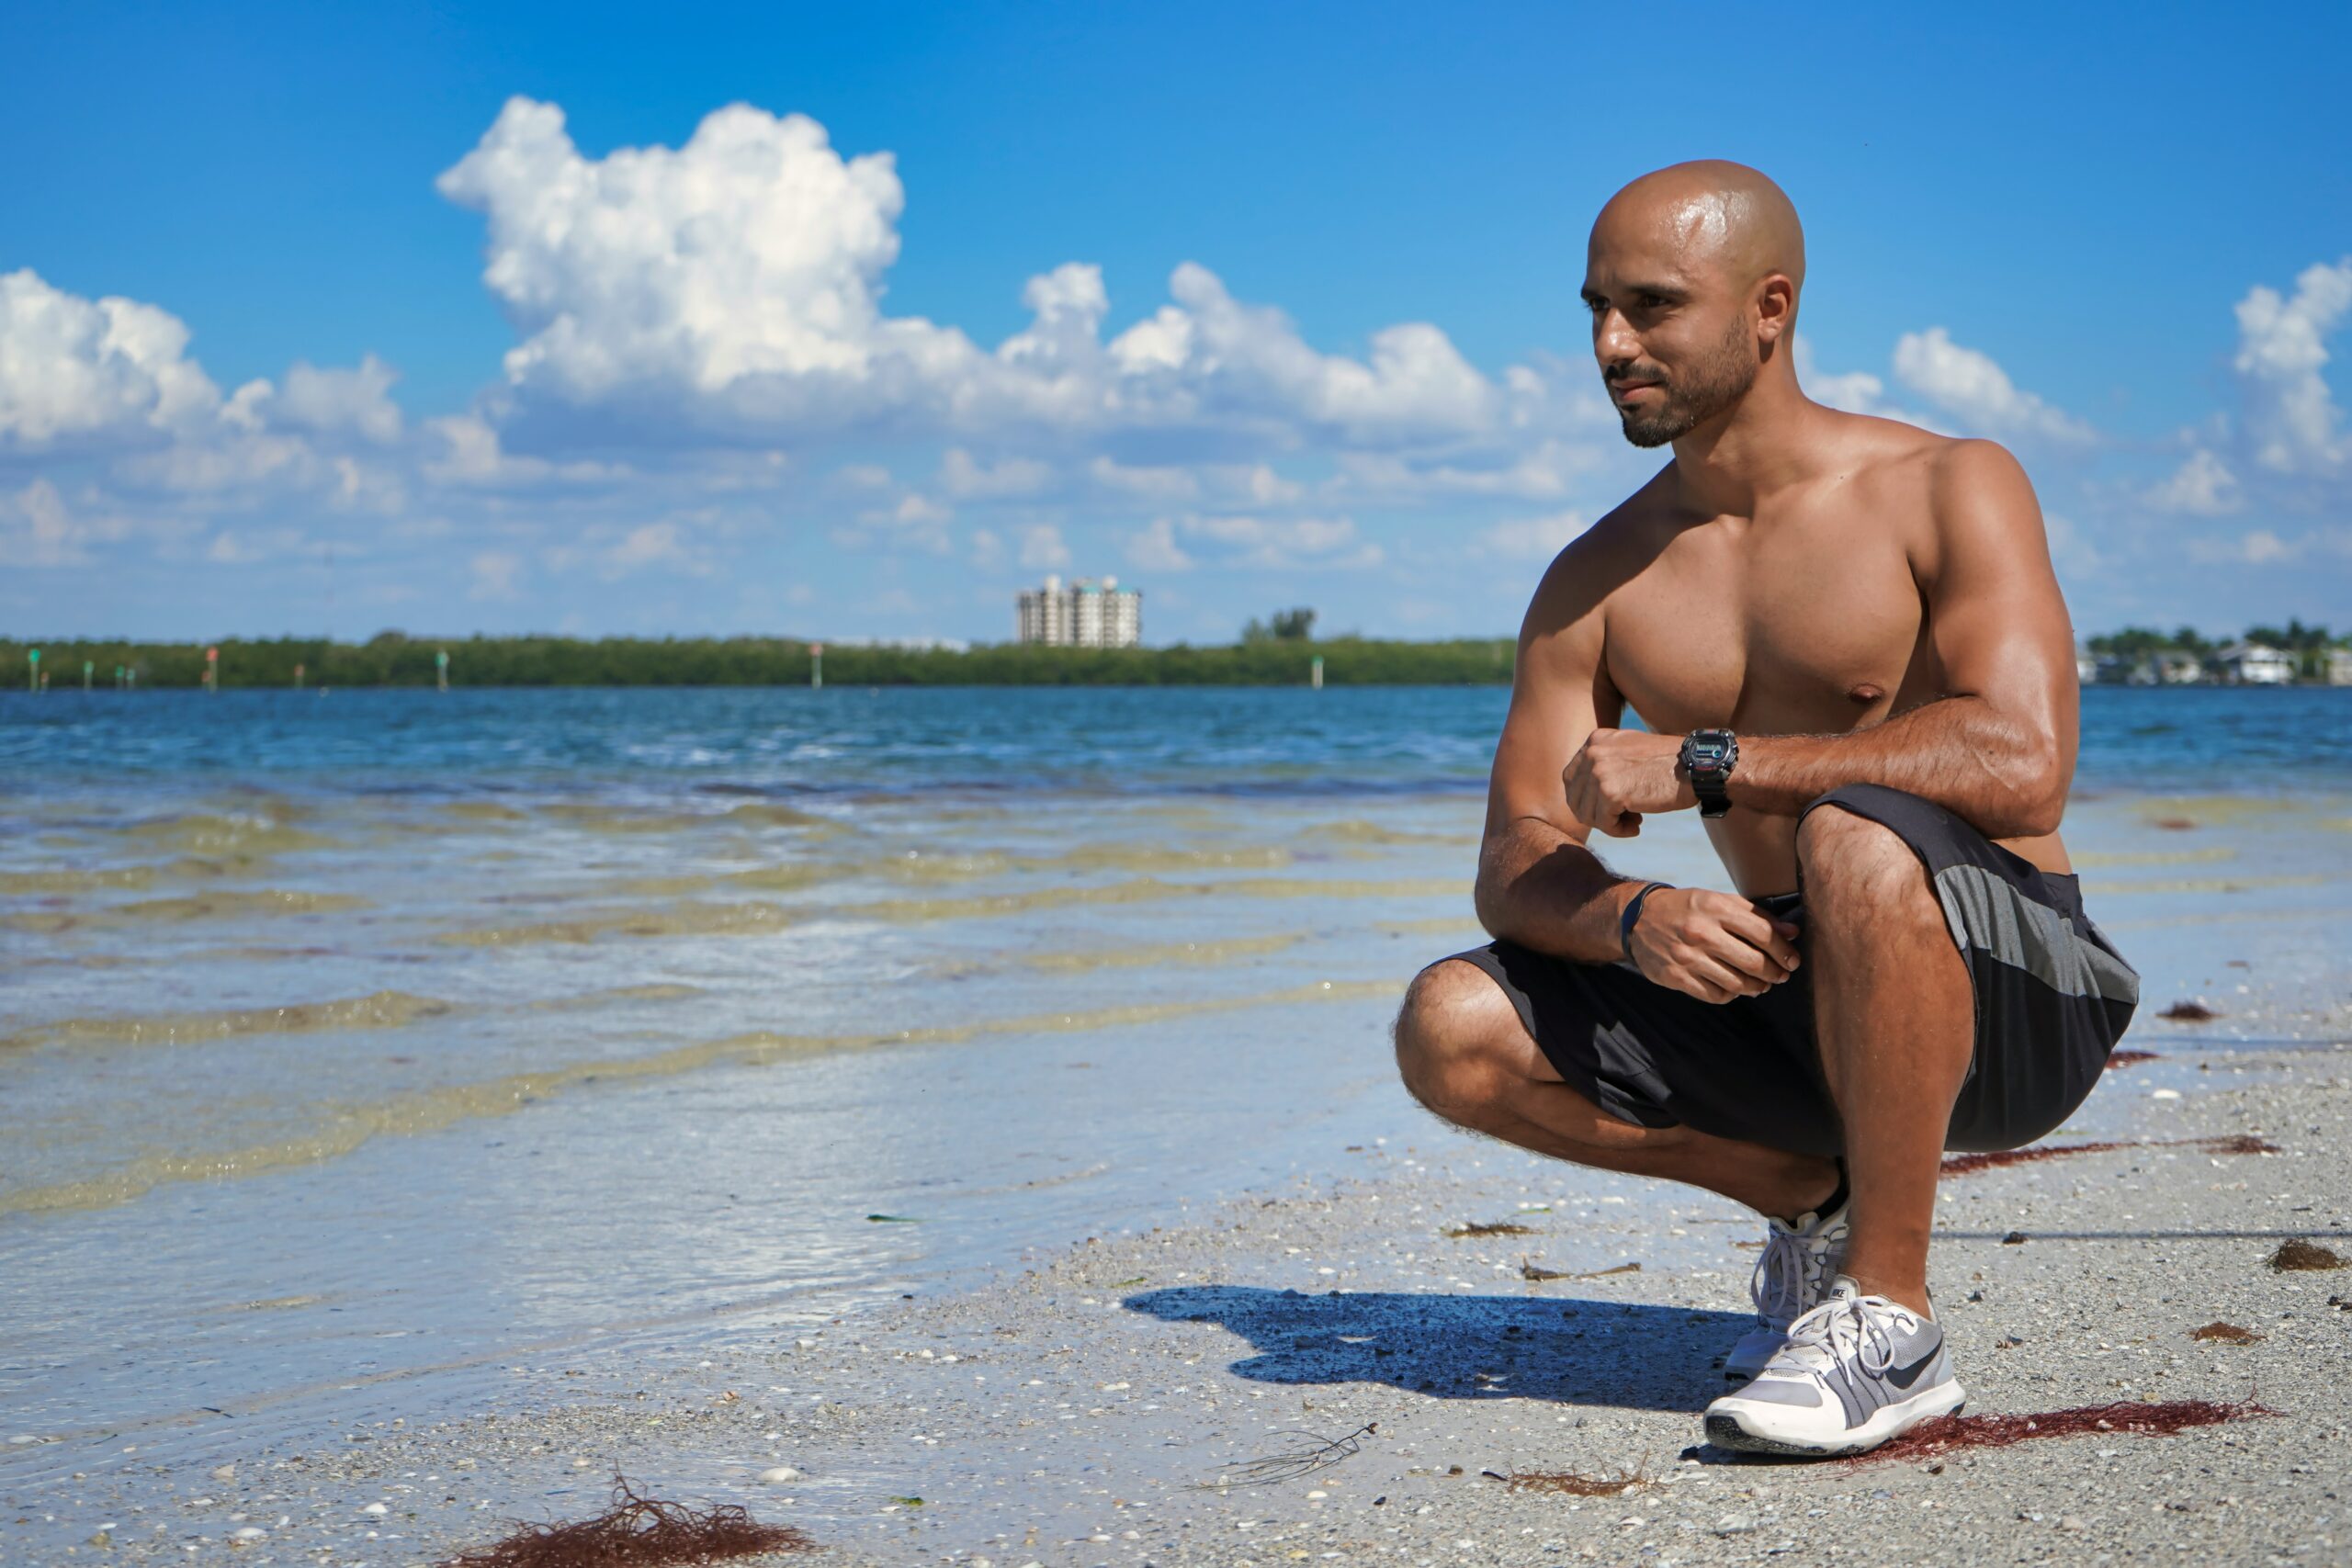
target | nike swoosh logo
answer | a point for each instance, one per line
(1903, 1377)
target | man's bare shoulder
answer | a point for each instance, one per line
(1599, 560)
(1870, 446)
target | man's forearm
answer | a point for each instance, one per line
(1542, 889)
(2005, 777)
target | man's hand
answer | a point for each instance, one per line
(1619, 774)
(1714, 946)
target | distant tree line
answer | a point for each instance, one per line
(1275, 652)
(395, 658)
(2309, 645)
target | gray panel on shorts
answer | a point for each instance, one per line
(1988, 913)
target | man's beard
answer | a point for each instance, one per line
(1698, 395)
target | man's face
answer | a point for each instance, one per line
(1674, 341)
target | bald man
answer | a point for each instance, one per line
(1845, 643)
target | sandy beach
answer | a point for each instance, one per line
(1084, 1409)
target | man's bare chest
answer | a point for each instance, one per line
(1811, 625)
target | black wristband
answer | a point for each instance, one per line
(1633, 913)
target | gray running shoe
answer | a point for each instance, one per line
(1856, 1371)
(1790, 1278)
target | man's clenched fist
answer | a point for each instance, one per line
(1618, 775)
(1714, 946)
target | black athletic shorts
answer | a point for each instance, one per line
(2052, 996)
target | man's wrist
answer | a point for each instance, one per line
(1629, 915)
(1708, 759)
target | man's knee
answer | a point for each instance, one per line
(1450, 1035)
(1852, 865)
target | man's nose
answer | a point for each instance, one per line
(1614, 342)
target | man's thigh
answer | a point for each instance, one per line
(1657, 1057)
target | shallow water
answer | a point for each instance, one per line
(357, 1051)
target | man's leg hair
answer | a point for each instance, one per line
(1465, 1055)
(1894, 1017)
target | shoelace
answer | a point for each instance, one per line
(1844, 1323)
(1778, 1284)
(1788, 1272)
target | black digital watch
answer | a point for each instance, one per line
(1708, 757)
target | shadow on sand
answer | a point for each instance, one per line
(1575, 1351)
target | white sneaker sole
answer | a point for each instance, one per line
(1740, 1427)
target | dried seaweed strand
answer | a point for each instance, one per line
(1567, 1484)
(1315, 1453)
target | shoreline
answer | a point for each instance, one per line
(1069, 1410)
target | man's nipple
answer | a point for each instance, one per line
(1866, 694)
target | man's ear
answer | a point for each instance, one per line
(1776, 306)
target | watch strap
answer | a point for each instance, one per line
(1710, 784)
(1633, 913)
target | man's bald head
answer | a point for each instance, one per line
(1692, 276)
(1710, 213)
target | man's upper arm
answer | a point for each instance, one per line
(1559, 694)
(1996, 619)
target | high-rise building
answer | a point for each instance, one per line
(1084, 613)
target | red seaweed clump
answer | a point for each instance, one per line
(1964, 1165)
(2189, 1012)
(637, 1532)
(2230, 1143)
(1946, 1433)
(2128, 1058)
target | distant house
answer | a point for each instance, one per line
(2337, 668)
(2086, 666)
(2179, 669)
(2172, 669)
(2256, 664)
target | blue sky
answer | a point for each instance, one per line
(338, 319)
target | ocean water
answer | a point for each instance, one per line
(380, 1056)
(786, 742)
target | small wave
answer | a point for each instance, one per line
(1155, 956)
(678, 919)
(1356, 830)
(2104, 889)
(383, 1009)
(2154, 857)
(205, 833)
(200, 906)
(483, 811)
(1147, 889)
(119, 878)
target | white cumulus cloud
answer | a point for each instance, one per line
(93, 369)
(335, 400)
(1970, 385)
(745, 270)
(1277, 542)
(1154, 548)
(1532, 539)
(2202, 486)
(2282, 351)
(1042, 549)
